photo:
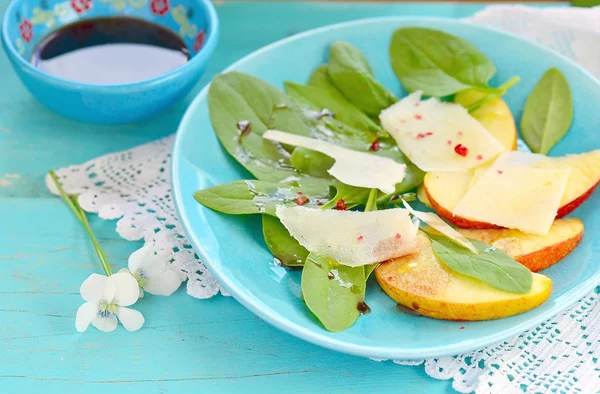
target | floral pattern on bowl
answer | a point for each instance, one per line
(26, 23)
(50, 15)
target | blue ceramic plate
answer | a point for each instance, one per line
(233, 249)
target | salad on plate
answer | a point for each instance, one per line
(427, 193)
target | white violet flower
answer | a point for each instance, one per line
(107, 298)
(153, 273)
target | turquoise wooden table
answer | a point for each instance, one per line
(187, 345)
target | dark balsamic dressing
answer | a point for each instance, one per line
(363, 308)
(108, 51)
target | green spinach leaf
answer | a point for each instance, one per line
(548, 112)
(251, 197)
(491, 265)
(332, 291)
(369, 270)
(336, 132)
(413, 177)
(325, 98)
(320, 78)
(311, 162)
(352, 75)
(242, 108)
(437, 63)
(473, 99)
(351, 138)
(351, 195)
(371, 204)
(283, 246)
(354, 195)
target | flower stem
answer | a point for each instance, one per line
(82, 217)
(64, 195)
(86, 225)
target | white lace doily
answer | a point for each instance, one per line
(559, 356)
(134, 186)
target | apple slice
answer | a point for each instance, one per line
(523, 198)
(445, 189)
(437, 224)
(533, 251)
(494, 115)
(584, 178)
(422, 196)
(419, 282)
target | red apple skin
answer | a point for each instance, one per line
(468, 223)
(542, 259)
(534, 252)
(457, 220)
(574, 204)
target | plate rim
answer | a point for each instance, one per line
(254, 304)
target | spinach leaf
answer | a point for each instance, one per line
(344, 53)
(548, 112)
(332, 291)
(413, 177)
(311, 162)
(352, 195)
(352, 75)
(334, 131)
(473, 99)
(369, 270)
(242, 108)
(350, 138)
(320, 78)
(437, 63)
(316, 164)
(491, 265)
(283, 246)
(251, 197)
(331, 99)
(371, 204)
(354, 139)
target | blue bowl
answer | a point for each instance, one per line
(27, 22)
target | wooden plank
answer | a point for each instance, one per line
(34, 140)
(186, 345)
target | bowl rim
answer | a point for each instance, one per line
(255, 305)
(212, 30)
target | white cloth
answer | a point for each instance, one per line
(572, 32)
(561, 355)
